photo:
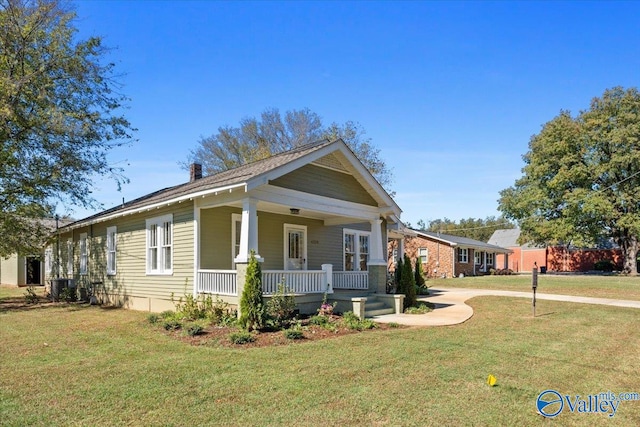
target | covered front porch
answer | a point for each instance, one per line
(311, 244)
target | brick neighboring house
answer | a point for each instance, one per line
(550, 258)
(444, 255)
(522, 257)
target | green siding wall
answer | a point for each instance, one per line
(325, 182)
(131, 279)
(324, 244)
(215, 238)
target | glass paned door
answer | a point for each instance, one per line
(295, 248)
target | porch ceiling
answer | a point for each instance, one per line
(282, 209)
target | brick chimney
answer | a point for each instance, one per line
(195, 172)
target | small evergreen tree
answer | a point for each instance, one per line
(397, 274)
(418, 274)
(252, 309)
(408, 283)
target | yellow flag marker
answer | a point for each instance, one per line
(491, 380)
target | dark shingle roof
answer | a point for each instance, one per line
(227, 178)
(462, 241)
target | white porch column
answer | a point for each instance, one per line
(248, 232)
(377, 249)
(328, 272)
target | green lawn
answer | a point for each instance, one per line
(80, 365)
(616, 287)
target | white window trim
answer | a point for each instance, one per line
(70, 258)
(463, 259)
(48, 260)
(84, 254)
(477, 257)
(491, 259)
(235, 218)
(426, 255)
(112, 248)
(356, 256)
(158, 222)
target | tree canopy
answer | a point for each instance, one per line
(472, 228)
(254, 139)
(581, 178)
(59, 117)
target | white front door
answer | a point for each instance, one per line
(295, 247)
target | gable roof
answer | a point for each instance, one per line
(464, 242)
(507, 238)
(249, 176)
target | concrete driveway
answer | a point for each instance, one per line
(451, 307)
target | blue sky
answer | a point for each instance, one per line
(450, 92)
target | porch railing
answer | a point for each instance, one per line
(223, 282)
(220, 282)
(350, 280)
(299, 282)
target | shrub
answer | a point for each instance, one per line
(167, 313)
(394, 325)
(189, 306)
(319, 320)
(153, 318)
(68, 294)
(281, 307)
(241, 337)
(293, 334)
(30, 295)
(418, 274)
(252, 310)
(501, 272)
(421, 308)
(604, 265)
(408, 283)
(351, 321)
(194, 328)
(172, 320)
(397, 275)
(218, 312)
(172, 324)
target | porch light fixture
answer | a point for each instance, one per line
(294, 211)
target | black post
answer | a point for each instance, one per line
(57, 249)
(534, 286)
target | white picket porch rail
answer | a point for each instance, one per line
(299, 282)
(219, 282)
(350, 280)
(223, 282)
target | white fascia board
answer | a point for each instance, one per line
(158, 205)
(312, 202)
(337, 145)
(370, 180)
(263, 179)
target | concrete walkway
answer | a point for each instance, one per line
(452, 310)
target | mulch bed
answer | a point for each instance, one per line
(218, 336)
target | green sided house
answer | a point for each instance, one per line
(314, 216)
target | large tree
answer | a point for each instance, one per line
(581, 178)
(59, 117)
(256, 139)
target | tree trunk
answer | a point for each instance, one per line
(629, 248)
